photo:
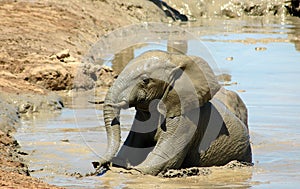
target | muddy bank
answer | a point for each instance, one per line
(43, 41)
(13, 170)
(231, 8)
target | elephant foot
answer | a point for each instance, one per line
(101, 168)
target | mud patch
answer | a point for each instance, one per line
(26, 104)
(193, 171)
(202, 171)
(13, 170)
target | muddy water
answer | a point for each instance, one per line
(263, 59)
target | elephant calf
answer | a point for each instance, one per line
(183, 118)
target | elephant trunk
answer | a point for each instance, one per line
(117, 98)
(111, 113)
(112, 126)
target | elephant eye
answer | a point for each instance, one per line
(146, 80)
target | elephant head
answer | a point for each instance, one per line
(179, 83)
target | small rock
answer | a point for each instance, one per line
(70, 59)
(237, 164)
(26, 107)
(53, 57)
(229, 13)
(260, 48)
(75, 174)
(241, 91)
(65, 140)
(229, 58)
(23, 153)
(63, 54)
(107, 68)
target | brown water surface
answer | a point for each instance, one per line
(261, 55)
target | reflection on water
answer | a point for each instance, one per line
(122, 58)
(267, 80)
(296, 32)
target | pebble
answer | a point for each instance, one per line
(230, 58)
(65, 140)
(260, 48)
(63, 54)
(70, 59)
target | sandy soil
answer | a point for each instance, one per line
(41, 46)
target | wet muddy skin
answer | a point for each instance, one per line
(264, 69)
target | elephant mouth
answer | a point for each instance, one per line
(143, 107)
(147, 106)
(125, 105)
(139, 104)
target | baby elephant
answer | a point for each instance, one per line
(184, 118)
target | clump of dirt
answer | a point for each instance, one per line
(203, 171)
(89, 76)
(193, 171)
(237, 164)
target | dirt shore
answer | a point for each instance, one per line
(41, 47)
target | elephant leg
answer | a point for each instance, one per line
(233, 103)
(139, 142)
(233, 145)
(173, 143)
(133, 153)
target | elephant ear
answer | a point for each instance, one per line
(192, 84)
